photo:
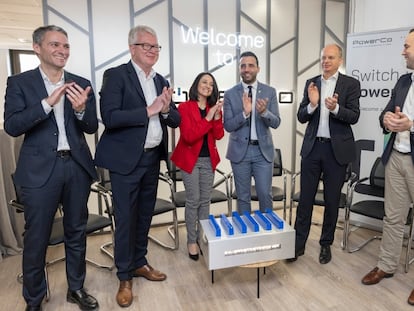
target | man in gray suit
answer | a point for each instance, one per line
(250, 110)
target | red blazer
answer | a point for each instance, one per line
(192, 130)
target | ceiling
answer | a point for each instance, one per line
(18, 19)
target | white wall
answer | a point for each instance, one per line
(372, 15)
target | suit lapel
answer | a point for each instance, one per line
(68, 111)
(404, 90)
(158, 85)
(40, 89)
(339, 84)
(133, 77)
(318, 82)
(39, 84)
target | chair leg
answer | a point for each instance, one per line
(104, 249)
(173, 233)
(345, 236)
(47, 298)
(408, 260)
(98, 265)
(347, 232)
(357, 248)
(345, 242)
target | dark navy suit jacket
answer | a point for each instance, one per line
(342, 138)
(399, 93)
(24, 114)
(123, 111)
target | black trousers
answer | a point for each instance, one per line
(134, 201)
(320, 160)
(68, 184)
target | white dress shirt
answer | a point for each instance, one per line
(402, 139)
(327, 90)
(58, 110)
(154, 133)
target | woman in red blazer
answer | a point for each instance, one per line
(196, 152)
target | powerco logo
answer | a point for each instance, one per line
(372, 42)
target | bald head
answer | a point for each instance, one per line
(331, 60)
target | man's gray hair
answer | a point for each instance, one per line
(39, 33)
(132, 36)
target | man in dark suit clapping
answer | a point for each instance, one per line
(330, 105)
(53, 109)
(136, 109)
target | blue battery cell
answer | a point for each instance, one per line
(226, 224)
(214, 225)
(251, 222)
(238, 221)
(274, 218)
(263, 221)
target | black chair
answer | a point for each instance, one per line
(162, 206)
(408, 259)
(217, 196)
(278, 193)
(372, 207)
(350, 176)
(96, 224)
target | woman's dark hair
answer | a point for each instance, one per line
(193, 93)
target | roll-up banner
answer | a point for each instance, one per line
(374, 58)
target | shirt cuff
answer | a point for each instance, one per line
(311, 109)
(46, 107)
(79, 115)
(335, 111)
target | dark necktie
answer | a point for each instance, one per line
(250, 94)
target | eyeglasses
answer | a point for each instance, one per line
(149, 47)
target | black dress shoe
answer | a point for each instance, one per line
(193, 256)
(82, 299)
(33, 308)
(325, 255)
(299, 252)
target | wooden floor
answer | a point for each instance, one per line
(302, 285)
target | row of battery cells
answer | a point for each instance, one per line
(254, 222)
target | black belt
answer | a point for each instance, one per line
(63, 153)
(403, 153)
(253, 142)
(150, 149)
(323, 139)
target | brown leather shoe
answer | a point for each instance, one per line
(149, 273)
(375, 276)
(124, 295)
(411, 298)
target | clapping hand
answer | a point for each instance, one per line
(313, 94)
(215, 111)
(161, 103)
(397, 121)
